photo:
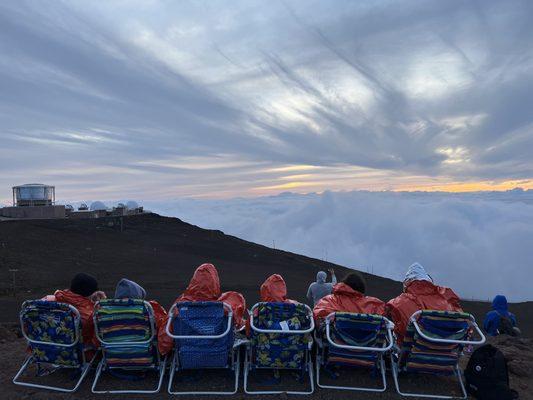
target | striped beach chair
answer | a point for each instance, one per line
(53, 333)
(204, 339)
(433, 344)
(128, 337)
(351, 340)
(281, 339)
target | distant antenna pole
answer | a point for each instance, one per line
(274, 244)
(14, 271)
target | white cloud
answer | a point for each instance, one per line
(479, 244)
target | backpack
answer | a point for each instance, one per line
(506, 326)
(487, 377)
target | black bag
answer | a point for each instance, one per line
(487, 377)
(506, 327)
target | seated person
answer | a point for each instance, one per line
(419, 293)
(274, 290)
(127, 289)
(83, 294)
(205, 286)
(348, 296)
(321, 288)
(500, 320)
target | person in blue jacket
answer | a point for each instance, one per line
(500, 320)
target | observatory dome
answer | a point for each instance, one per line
(97, 205)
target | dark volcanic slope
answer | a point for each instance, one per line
(161, 254)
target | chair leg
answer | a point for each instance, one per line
(175, 366)
(29, 361)
(395, 375)
(247, 367)
(100, 369)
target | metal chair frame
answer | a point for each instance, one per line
(387, 346)
(84, 365)
(175, 366)
(159, 366)
(457, 371)
(308, 362)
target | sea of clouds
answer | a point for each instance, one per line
(480, 244)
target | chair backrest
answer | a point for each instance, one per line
(126, 331)
(361, 330)
(280, 350)
(203, 318)
(438, 352)
(53, 332)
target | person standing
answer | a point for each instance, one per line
(321, 288)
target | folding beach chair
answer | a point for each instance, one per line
(353, 340)
(433, 344)
(204, 339)
(53, 333)
(127, 333)
(281, 339)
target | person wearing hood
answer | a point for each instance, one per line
(82, 294)
(500, 320)
(321, 288)
(348, 296)
(274, 290)
(205, 286)
(127, 289)
(419, 293)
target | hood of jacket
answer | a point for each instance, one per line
(321, 277)
(500, 304)
(417, 272)
(204, 285)
(274, 289)
(127, 289)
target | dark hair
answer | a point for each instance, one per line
(356, 281)
(83, 284)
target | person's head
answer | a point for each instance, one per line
(127, 289)
(83, 284)
(274, 289)
(499, 303)
(356, 281)
(204, 284)
(321, 277)
(416, 272)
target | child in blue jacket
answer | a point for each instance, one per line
(500, 320)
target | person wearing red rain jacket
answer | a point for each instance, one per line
(83, 293)
(348, 296)
(420, 293)
(274, 290)
(205, 286)
(127, 289)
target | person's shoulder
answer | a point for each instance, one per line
(401, 298)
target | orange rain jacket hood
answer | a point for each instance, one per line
(346, 299)
(419, 295)
(274, 290)
(205, 286)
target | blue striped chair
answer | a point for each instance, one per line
(281, 338)
(433, 344)
(204, 338)
(128, 337)
(53, 333)
(352, 340)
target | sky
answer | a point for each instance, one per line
(208, 99)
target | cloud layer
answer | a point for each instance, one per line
(217, 99)
(478, 244)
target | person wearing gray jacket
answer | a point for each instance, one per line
(321, 288)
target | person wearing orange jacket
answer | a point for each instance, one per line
(205, 286)
(83, 294)
(274, 290)
(348, 296)
(127, 289)
(419, 293)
